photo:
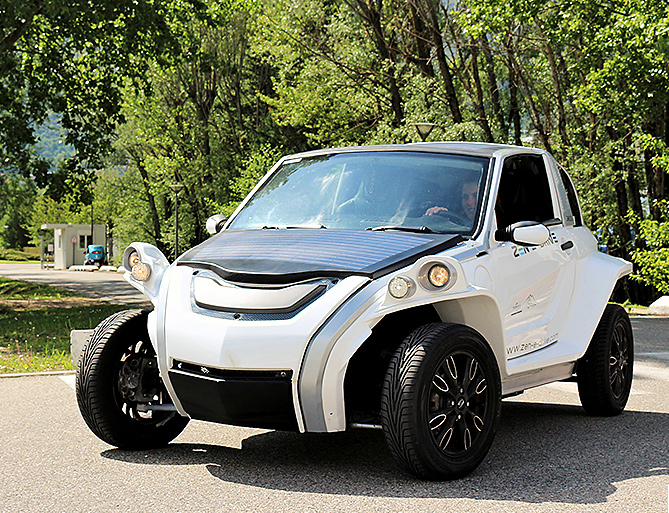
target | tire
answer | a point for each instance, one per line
(116, 375)
(441, 401)
(604, 373)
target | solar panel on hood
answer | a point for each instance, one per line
(275, 253)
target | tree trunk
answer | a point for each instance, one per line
(480, 107)
(371, 15)
(622, 204)
(438, 43)
(623, 229)
(494, 89)
(514, 110)
(655, 181)
(534, 112)
(634, 190)
(420, 36)
(562, 120)
(153, 211)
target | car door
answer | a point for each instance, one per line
(534, 284)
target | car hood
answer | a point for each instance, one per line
(290, 255)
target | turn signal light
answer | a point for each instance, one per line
(400, 287)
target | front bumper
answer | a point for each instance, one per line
(262, 399)
(237, 368)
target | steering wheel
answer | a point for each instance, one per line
(453, 217)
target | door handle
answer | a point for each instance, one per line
(567, 245)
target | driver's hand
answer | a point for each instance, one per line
(433, 210)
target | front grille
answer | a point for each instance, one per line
(249, 316)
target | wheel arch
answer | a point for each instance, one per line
(480, 312)
(366, 367)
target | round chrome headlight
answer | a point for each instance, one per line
(439, 275)
(400, 287)
(140, 271)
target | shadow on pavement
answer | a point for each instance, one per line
(542, 453)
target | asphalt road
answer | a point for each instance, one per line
(107, 286)
(548, 456)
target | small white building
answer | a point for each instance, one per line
(70, 242)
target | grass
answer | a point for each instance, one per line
(35, 333)
(13, 289)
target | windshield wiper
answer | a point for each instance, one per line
(296, 227)
(413, 229)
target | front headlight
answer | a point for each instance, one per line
(141, 271)
(436, 276)
(439, 275)
(145, 266)
(133, 259)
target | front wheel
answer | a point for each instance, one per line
(604, 373)
(441, 401)
(120, 393)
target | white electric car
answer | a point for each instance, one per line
(408, 288)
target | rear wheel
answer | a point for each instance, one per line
(119, 390)
(604, 373)
(441, 401)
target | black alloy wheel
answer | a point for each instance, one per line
(441, 401)
(604, 373)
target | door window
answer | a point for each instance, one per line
(524, 192)
(84, 241)
(574, 216)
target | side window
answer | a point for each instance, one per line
(524, 192)
(572, 198)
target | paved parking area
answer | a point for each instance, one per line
(548, 456)
(108, 286)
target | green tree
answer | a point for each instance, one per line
(16, 198)
(72, 59)
(200, 120)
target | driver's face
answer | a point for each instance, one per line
(469, 195)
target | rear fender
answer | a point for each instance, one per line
(596, 277)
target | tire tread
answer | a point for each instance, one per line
(91, 398)
(397, 408)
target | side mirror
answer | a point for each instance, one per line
(215, 223)
(527, 233)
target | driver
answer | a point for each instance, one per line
(470, 190)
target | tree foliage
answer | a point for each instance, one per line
(223, 88)
(74, 58)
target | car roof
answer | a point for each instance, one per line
(459, 148)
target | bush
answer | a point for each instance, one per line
(653, 261)
(15, 255)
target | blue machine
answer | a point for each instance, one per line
(95, 255)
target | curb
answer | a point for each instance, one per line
(28, 374)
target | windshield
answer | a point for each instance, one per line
(410, 191)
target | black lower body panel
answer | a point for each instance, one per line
(240, 398)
